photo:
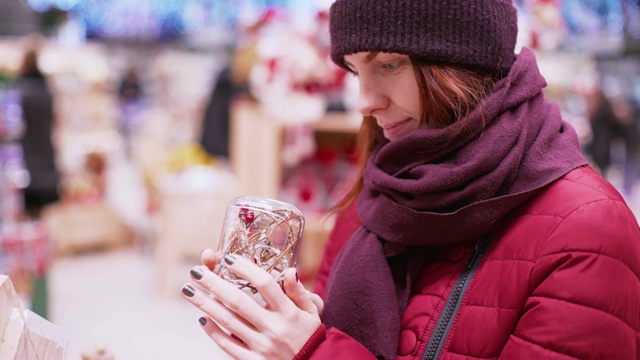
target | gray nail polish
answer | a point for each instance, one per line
(229, 259)
(188, 290)
(203, 321)
(196, 273)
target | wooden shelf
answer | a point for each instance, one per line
(256, 144)
(348, 123)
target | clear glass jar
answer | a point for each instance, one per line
(265, 231)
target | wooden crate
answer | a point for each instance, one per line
(76, 226)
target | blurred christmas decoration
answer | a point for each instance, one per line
(548, 28)
(187, 155)
(296, 82)
(88, 183)
(147, 20)
(100, 353)
(320, 180)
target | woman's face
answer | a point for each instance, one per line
(388, 91)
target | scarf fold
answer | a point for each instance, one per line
(440, 187)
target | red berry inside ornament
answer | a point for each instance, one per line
(249, 217)
(242, 213)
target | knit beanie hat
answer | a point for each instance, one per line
(473, 33)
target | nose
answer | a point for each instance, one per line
(370, 97)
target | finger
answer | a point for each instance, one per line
(234, 299)
(318, 302)
(227, 343)
(209, 258)
(260, 279)
(298, 293)
(217, 311)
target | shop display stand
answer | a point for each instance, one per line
(24, 247)
(14, 176)
(25, 250)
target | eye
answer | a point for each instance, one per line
(391, 66)
(351, 70)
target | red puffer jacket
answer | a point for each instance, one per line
(560, 280)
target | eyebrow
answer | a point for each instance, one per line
(367, 59)
(371, 56)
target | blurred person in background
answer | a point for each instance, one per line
(214, 137)
(130, 96)
(232, 81)
(39, 154)
(615, 117)
(476, 228)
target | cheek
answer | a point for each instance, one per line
(418, 125)
(411, 103)
(410, 95)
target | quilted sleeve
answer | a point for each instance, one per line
(340, 346)
(584, 290)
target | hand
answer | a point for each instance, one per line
(210, 259)
(277, 331)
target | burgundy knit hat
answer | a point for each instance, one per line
(475, 33)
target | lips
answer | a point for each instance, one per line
(394, 125)
(392, 129)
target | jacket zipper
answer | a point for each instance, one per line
(439, 335)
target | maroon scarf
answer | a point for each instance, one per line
(433, 187)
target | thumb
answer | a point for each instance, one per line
(209, 258)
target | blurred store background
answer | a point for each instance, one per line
(126, 126)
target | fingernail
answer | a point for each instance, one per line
(282, 287)
(196, 273)
(188, 290)
(297, 280)
(202, 252)
(203, 321)
(229, 259)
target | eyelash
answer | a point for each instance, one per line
(392, 66)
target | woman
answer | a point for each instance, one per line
(479, 231)
(37, 102)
